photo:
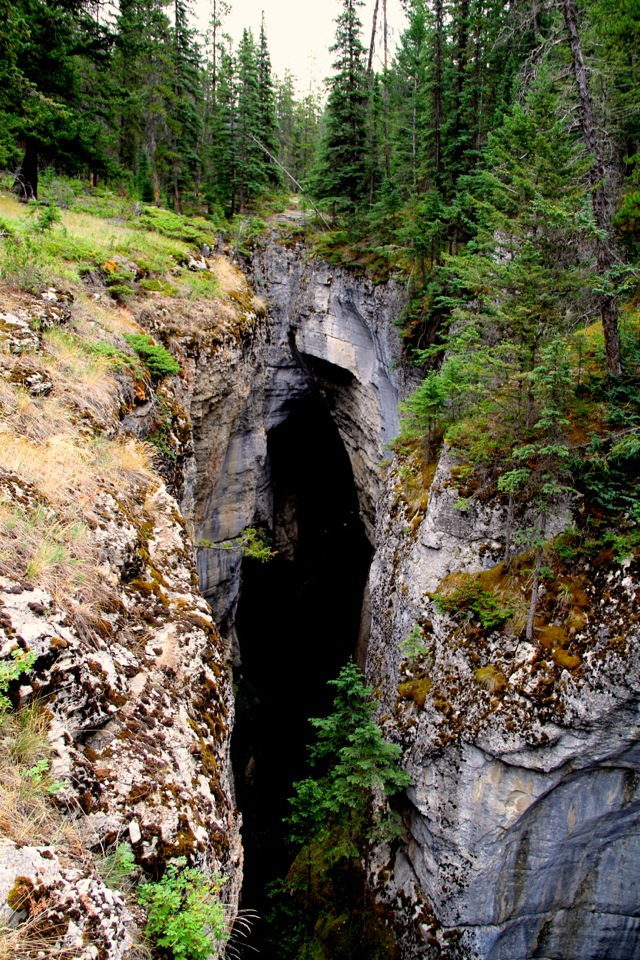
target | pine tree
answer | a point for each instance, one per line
(341, 172)
(46, 111)
(143, 64)
(410, 112)
(336, 817)
(251, 166)
(220, 174)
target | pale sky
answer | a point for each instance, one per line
(300, 33)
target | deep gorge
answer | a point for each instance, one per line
(300, 459)
(297, 428)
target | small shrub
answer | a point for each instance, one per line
(157, 358)
(11, 670)
(184, 912)
(47, 215)
(471, 598)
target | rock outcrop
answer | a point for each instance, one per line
(524, 816)
(132, 699)
(328, 334)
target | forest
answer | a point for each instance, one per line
(519, 120)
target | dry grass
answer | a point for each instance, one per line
(232, 281)
(27, 814)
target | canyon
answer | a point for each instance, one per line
(521, 828)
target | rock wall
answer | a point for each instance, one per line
(523, 816)
(326, 333)
(129, 738)
(523, 823)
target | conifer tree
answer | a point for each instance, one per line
(336, 816)
(185, 111)
(46, 111)
(144, 68)
(410, 112)
(267, 129)
(341, 172)
(251, 165)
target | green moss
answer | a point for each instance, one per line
(417, 690)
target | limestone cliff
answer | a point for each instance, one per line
(523, 827)
(327, 333)
(127, 708)
(522, 822)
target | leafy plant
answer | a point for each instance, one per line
(157, 358)
(39, 778)
(116, 868)
(184, 912)
(10, 670)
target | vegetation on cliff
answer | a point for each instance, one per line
(97, 579)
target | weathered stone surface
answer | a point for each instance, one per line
(524, 823)
(72, 910)
(326, 332)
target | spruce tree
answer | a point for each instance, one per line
(185, 111)
(267, 129)
(251, 165)
(336, 817)
(340, 175)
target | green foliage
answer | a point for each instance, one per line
(253, 544)
(472, 599)
(10, 670)
(192, 230)
(117, 868)
(185, 915)
(340, 175)
(157, 358)
(335, 817)
(413, 646)
(46, 216)
(39, 778)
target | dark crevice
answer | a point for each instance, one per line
(298, 622)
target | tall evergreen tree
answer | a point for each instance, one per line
(144, 68)
(185, 112)
(341, 172)
(46, 111)
(251, 163)
(267, 130)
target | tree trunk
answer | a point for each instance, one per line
(26, 183)
(608, 308)
(534, 594)
(373, 38)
